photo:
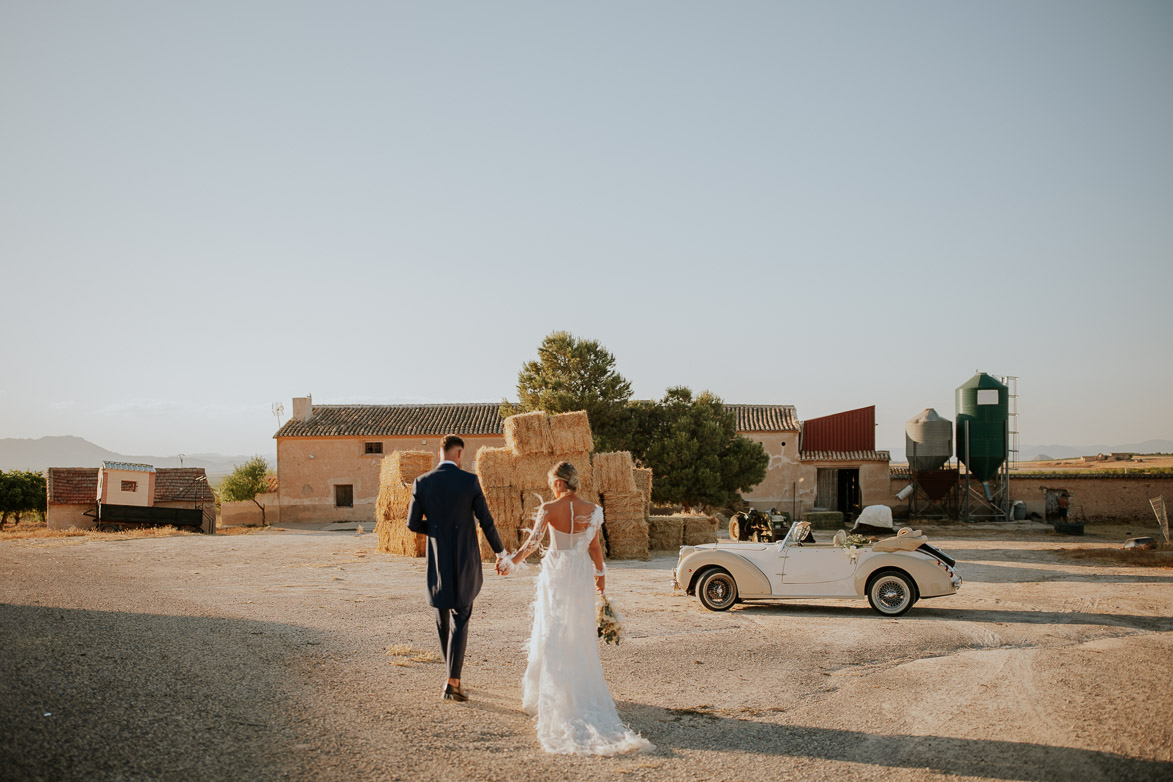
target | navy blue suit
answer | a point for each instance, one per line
(444, 503)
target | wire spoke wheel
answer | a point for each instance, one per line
(717, 590)
(891, 594)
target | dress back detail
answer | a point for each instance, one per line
(582, 529)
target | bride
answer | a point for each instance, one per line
(564, 685)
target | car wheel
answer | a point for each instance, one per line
(734, 529)
(717, 590)
(891, 593)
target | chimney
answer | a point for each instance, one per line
(303, 407)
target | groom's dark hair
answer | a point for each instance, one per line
(451, 441)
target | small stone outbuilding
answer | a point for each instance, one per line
(72, 493)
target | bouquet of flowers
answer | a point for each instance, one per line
(610, 622)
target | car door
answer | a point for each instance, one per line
(811, 570)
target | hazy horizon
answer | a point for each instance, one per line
(209, 208)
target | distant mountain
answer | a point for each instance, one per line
(1034, 453)
(1031, 453)
(69, 451)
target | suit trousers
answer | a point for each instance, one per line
(452, 625)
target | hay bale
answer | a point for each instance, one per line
(571, 432)
(528, 433)
(699, 530)
(626, 538)
(395, 538)
(394, 492)
(643, 484)
(531, 472)
(496, 467)
(623, 505)
(824, 519)
(409, 464)
(665, 533)
(505, 507)
(613, 472)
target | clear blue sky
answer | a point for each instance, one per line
(207, 207)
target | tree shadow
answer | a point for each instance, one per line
(932, 610)
(677, 729)
(109, 694)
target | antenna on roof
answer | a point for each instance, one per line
(278, 411)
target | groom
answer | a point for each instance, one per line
(443, 503)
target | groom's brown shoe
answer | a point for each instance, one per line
(454, 694)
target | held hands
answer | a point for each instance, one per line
(504, 563)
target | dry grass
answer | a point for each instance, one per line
(404, 655)
(21, 533)
(1161, 556)
(242, 530)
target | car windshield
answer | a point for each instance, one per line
(798, 531)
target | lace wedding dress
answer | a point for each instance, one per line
(564, 685)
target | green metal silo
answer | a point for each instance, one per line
(983, 409)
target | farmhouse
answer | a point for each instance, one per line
(328, 456)
(120, 493)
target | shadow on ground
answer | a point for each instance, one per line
(105, 694)
(686, 729)
(935, 610)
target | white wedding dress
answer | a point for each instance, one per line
(564, 685)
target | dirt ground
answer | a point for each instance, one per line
(264, 656)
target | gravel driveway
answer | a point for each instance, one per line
(263, 656)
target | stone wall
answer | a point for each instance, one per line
(1096, 497)
(66, 516)
(240, 514)
(308, 469)
(1093, 497)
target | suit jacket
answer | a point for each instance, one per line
(443, 504)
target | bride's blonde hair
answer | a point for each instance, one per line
(565, 471)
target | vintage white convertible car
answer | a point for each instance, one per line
(892, 573)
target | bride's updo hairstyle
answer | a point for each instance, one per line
(565, 471)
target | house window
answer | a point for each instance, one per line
(372, 447)
(344, 496)
(130, 485)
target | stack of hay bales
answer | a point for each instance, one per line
(699, 529)
(534, 443)
(665, 533)
(399, 470)
(624, 505)
(671, 532)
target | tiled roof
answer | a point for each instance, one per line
(479, 418)
(844, 456)
(182, 484)
(127, 466)
(79, 485)
(397, 420)
(765, 418)
(72, 485)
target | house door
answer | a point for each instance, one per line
(344, 496)
(847, 492)
(827, 495)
